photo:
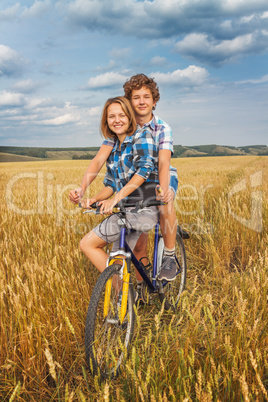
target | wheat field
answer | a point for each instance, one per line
(215, 348)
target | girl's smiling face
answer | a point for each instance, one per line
(117, 121)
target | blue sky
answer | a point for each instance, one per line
(60, 61)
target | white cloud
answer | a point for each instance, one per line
(11, 63)
(221, 20)
(95, 111)
(9, 13)
(247, 18)
(37, 9)
(11, 99)
(111, 66)
(159, 18)
(120, 53)
(216, 52)
(190, 76)
(106, 80)
(60, 120)
(264, 15)
(262, 80)
(242, 5)
(158, 60)
(26, 86)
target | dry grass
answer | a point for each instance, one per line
(214, 349)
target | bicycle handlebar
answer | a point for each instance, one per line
(122, 205)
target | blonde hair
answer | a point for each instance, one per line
(127, 109)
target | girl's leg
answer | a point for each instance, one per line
(92, 246)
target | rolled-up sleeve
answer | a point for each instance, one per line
(166, 139)
(145, 155)
(109, 141)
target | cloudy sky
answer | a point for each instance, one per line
(60, 60)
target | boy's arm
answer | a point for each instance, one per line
(164, 157)
(92, 171)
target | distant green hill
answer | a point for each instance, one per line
(12, 154)
(218, 150)
(46, 153)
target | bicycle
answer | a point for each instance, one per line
(110, 317)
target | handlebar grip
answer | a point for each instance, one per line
(141, 204)
(94, 205)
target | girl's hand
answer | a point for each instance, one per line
(87, 202)
(107, 206)
(76, 195)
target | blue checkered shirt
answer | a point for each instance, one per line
(138, 155)
(161, 134)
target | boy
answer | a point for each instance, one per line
(143, 94)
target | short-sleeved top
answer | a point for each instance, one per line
(162, 135)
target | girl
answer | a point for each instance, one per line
(130, 164)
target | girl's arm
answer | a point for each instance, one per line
(143, 165)
(104, 194)
(91, 173)
(135, 182)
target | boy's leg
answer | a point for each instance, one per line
(168, 224)
(140, 251)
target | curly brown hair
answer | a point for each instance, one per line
(137, 82)
(127, 109)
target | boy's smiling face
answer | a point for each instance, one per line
(142, 103)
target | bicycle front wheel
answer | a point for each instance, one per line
(107, 339)
(170, 292)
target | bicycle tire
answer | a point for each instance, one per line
(171, 291)
(107, 340)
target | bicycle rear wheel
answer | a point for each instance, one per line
(106, 339)
(170, 292)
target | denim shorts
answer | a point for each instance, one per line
(173, 183)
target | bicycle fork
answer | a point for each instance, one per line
(124, 275)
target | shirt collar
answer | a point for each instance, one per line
(127, 140)
(150, 123)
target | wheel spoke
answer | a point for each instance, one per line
(107, 340)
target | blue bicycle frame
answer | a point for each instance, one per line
(124, 246)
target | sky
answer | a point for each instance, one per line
(61, 60)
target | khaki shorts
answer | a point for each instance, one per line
(143, 221)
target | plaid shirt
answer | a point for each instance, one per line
(162, 135)
(138, 155)
(161, 132)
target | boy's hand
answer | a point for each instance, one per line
(168, 196)
(165, 196)
(159, 193)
